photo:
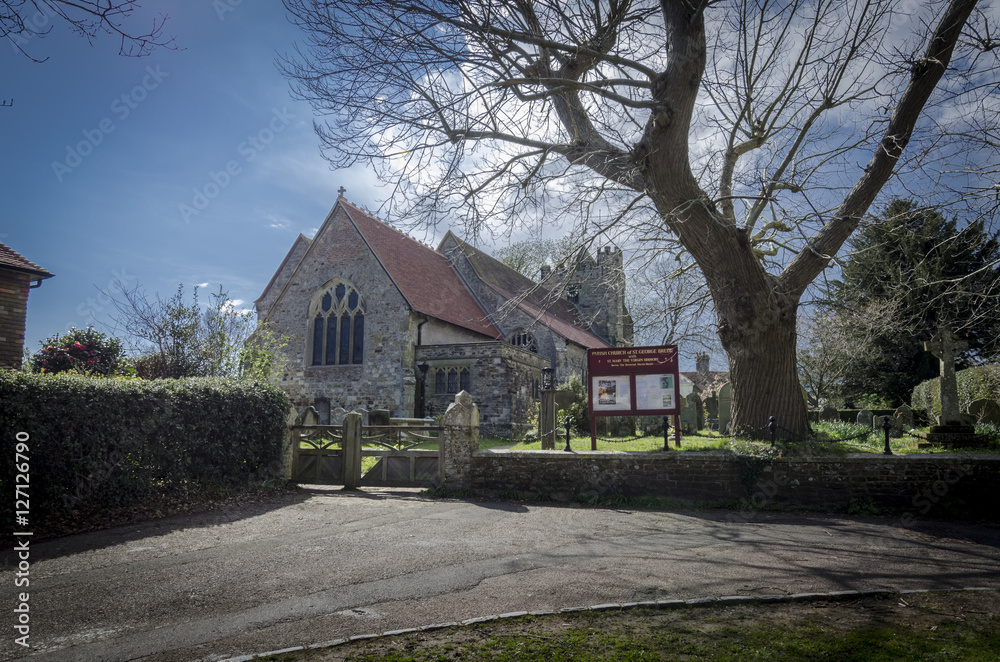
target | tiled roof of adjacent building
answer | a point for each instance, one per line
(541, 303)
(11, 259)
(424, 276)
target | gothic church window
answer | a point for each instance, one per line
(522, 338)
(452, 380)
(338, 319)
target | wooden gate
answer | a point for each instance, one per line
(332, 455)
(400, 462)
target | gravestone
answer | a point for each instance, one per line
(725, 407)
(951, 428)
(903, 417)
(310, 416)
(689, 414)
(564, 399)
(337, 416)
(829, 413)
(865, 417)
(378, 417)
(985, 411)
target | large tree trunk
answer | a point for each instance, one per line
(757, 327)
(758, 335)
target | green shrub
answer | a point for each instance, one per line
(973, 384)
(577, 411)
(111, 442)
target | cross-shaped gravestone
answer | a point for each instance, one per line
(342, 191)
(946, 348)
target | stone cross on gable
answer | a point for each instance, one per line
(947, 348)
(342, 191)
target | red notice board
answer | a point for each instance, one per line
(632, 381)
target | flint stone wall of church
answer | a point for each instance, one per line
(503, 381)
(380, 382)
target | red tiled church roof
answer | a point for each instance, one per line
(541, 303)
(424, 276)
(11, 259)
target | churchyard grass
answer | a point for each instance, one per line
(827, 432)
(649, 444)
(828, 435)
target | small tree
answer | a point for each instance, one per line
(833, 342)
(932, 272)
(87, 351)
(178, 339)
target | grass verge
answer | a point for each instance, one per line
(921, 626)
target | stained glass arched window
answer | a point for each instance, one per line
(338, 319)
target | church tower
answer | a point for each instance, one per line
(597, 289)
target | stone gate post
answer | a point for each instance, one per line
(459, 440)
(290, 444)
(352, 450)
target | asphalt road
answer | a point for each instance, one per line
(326, 564)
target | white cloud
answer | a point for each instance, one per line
(277, 223)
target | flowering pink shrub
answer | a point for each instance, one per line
(87, 351)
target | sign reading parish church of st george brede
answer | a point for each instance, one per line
(633, 381)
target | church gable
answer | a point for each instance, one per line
(281, 276)
(348, 325)
(424, 276)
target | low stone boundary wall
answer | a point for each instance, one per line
(917, 485)
(912, 486)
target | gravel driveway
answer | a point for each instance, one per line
(323, 564)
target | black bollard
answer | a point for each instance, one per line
(773, 427)
(568, 422)
(886, 425)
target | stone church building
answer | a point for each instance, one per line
(378, 320)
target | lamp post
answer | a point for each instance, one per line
(547, 410)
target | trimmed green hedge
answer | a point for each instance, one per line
(973, 384)
(111, 442)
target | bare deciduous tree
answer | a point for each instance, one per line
(24, 20)
(833, 342)
(756, 133)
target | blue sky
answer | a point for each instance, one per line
(191, 166)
